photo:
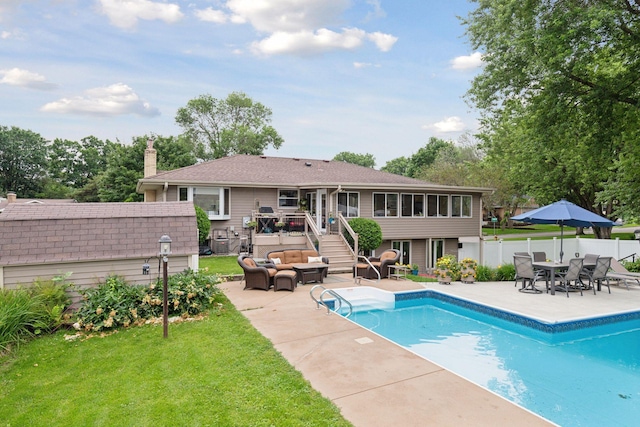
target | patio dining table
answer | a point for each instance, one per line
(552, 267)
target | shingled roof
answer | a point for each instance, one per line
(265, 171)
(35, 233)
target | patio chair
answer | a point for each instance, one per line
(571, 275)
(599, 273)
(526, 273)
(255, 276)
(380, 264)
(620, 274)
(539, 256)
(516, 275)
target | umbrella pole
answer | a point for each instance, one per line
(561, 240)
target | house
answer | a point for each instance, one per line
(94, 240)
(12, 198)
(315, 199)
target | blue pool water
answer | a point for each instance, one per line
(577, 377)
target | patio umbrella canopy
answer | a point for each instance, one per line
(564, 213)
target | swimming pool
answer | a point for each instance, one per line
(584, 373)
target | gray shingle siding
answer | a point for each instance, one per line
(35, 234)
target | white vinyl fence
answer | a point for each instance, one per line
(498, 252)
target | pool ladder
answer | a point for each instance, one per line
(339, 300)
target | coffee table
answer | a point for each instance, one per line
(310, 272)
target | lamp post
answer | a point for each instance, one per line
(165, 251)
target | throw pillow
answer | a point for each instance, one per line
(276, 261)
(314, 259)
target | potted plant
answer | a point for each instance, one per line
(414, 269)
(251, 224)
(447, 269)
(302, 204)
(279, 225)
(468, 268)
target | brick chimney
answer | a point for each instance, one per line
(11, 197)
(150, 169)
(149, 159)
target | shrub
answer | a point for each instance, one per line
(368, 231)
(22, 315)
(632, 266)
(505, 272)
(54, 298)
(204, 224)
(111, 304)
(115, 303)
(188, 293)
(485, 274)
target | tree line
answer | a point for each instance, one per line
(558, 95)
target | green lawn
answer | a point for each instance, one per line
(221, 265)
(216, 372)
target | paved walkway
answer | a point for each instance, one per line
(377, 383)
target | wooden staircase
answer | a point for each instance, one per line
(340, 257)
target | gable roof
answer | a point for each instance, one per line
(5, 202)
(35, 233)
(263, 171)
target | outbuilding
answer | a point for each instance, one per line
(91, 241)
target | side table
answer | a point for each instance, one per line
(398, 272)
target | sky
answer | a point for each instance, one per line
(373, 77)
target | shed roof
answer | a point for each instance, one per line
(246, 170)
(35, 233)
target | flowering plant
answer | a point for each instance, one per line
(468, 268)
(447, 266)
(279, 224)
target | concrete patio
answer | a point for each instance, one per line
(377, 383)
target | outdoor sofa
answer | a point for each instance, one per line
(284, 259)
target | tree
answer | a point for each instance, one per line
(426, 155)
(398, 166)
(366, 160)
(125, 166)
(557, 92)
(72, 165)
(23, 160)
(235, 125)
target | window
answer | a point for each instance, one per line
(385, 204)
(404, 246)
(215, 201)
(461, 206)
(349, 204)
(287, 198)
(437, 205)
(412, 205)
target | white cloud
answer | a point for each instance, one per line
(307, 42)
(114, 100)
(467, 62)
(449, 124)
(365, 65)
(5, 35)
(125, 13)
(301, 27)
(272, 16)
(384, 41)
(211, 15)
(25, 78)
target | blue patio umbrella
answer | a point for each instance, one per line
(564, 213)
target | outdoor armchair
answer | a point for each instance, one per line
(378, 264)
(256, 276)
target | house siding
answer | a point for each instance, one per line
(88, 274)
